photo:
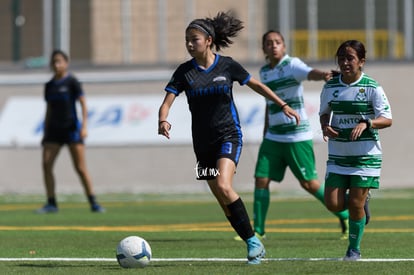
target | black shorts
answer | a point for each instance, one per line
(62, 136)
(206, 166)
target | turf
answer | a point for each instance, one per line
(189, 235)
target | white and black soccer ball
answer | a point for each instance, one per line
(133, 252)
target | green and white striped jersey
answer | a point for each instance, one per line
(347, 104)
(285, 79)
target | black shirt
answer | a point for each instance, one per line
(210, 98)
(61, 96)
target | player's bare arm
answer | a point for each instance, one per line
(317, 75)
(381, 123)
(265, 91)
(327, 130)
(84, 109)
(164, 126)
(378, 123)
(266, 120)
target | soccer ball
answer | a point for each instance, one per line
(133, 252)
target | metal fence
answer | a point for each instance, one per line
(151, 32)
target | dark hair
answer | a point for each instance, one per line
(264, 37)
(221, 28)
(354, 44)
(269, 32)
(58, 52)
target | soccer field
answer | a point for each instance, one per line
(191, 236)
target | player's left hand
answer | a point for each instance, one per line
(289, 112)
(83, 132)
(357, 131)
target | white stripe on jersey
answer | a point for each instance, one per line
(360, 100)
(285, 80)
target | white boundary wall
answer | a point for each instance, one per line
(132, 120)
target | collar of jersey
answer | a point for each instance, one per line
(216, 59)
(281, 62)
(353, 83)
(62, 79)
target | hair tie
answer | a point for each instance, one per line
(203, 29)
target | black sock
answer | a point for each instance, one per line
(239, 219)
(92, 199)
(51, 201)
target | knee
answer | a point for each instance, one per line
(356, 204)
(225, 189)
(262, 183)
(311, 186)
(334, 199)
(80, 170)
(334, 205)
(47, 166)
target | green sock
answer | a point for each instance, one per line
(356, 230)
(320, 195)
(260, 208)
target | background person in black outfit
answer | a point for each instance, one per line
(63, 127)
(207, 80)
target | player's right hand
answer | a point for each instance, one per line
(164, 128)
(329, 132)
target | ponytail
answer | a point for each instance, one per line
(221, 28)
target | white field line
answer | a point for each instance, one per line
(199, 259)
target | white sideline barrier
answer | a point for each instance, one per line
(123, 120)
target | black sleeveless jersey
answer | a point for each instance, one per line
(61, 96)
(210, 98)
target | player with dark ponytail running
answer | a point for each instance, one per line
(207, 80)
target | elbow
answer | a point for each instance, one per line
(384, 124)
(388, 122)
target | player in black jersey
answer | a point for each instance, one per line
(63, 127)
(207, 79)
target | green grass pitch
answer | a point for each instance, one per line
(189, 234)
